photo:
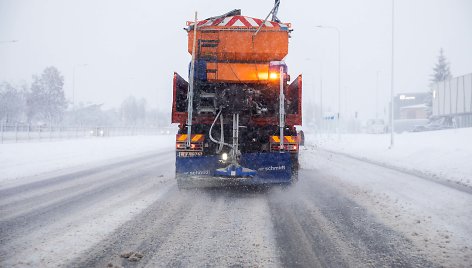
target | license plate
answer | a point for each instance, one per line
(189, 154)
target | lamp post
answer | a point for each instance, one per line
(377, 95)
(392, 77)
(339, 69)
(321, 98)
(73, 81)
(8, 41)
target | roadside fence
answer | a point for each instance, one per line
(22, 133)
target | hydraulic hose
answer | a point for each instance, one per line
(221, 143)
(222, 134)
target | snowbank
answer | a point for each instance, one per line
(445, 154)
(27, 159)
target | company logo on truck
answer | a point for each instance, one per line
(272, 168)
(198, 172)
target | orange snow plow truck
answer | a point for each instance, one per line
(238, 111)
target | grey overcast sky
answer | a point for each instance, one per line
(133, 47)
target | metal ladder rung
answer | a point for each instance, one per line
(207, 95)
(206, 109)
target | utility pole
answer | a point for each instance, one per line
(321, 99)
(392, 77)
(377, 96)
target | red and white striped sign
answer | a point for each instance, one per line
(194, 137)
(287, 139)
(238, 21)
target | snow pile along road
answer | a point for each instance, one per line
(28, 159)
(444, 154)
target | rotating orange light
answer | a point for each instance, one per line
(263, 75)
(273, 76)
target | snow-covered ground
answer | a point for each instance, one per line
(444, 154)
(19, 160)
(432, 215)
(36, 177)
(86, 201)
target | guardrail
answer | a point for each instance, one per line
(21, 133)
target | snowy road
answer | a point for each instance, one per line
(342, 213)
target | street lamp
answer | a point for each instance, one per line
(73, 81)
(8, 41)
(321, 98)
(377, 95)
(392, 77)
(339, 68)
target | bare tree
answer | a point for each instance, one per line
(46, 99)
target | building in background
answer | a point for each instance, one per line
(410, 111)
(410, 106)
(418, 111)
(453, 99)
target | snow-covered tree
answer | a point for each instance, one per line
(129, 111)
(441, 70)
(11, 104)
(142, 107)
(133, 111)
(46, 99)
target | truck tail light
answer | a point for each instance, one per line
(290, 144)
(180, 145)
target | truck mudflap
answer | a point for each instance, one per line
(201, 171)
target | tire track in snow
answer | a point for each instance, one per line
(54, 233)
(318, 226)
(40, 199)
(15, 187)
(195, 228)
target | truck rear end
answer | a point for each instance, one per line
(238, 111)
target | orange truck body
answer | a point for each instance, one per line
(239, 44)
(238, 54)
